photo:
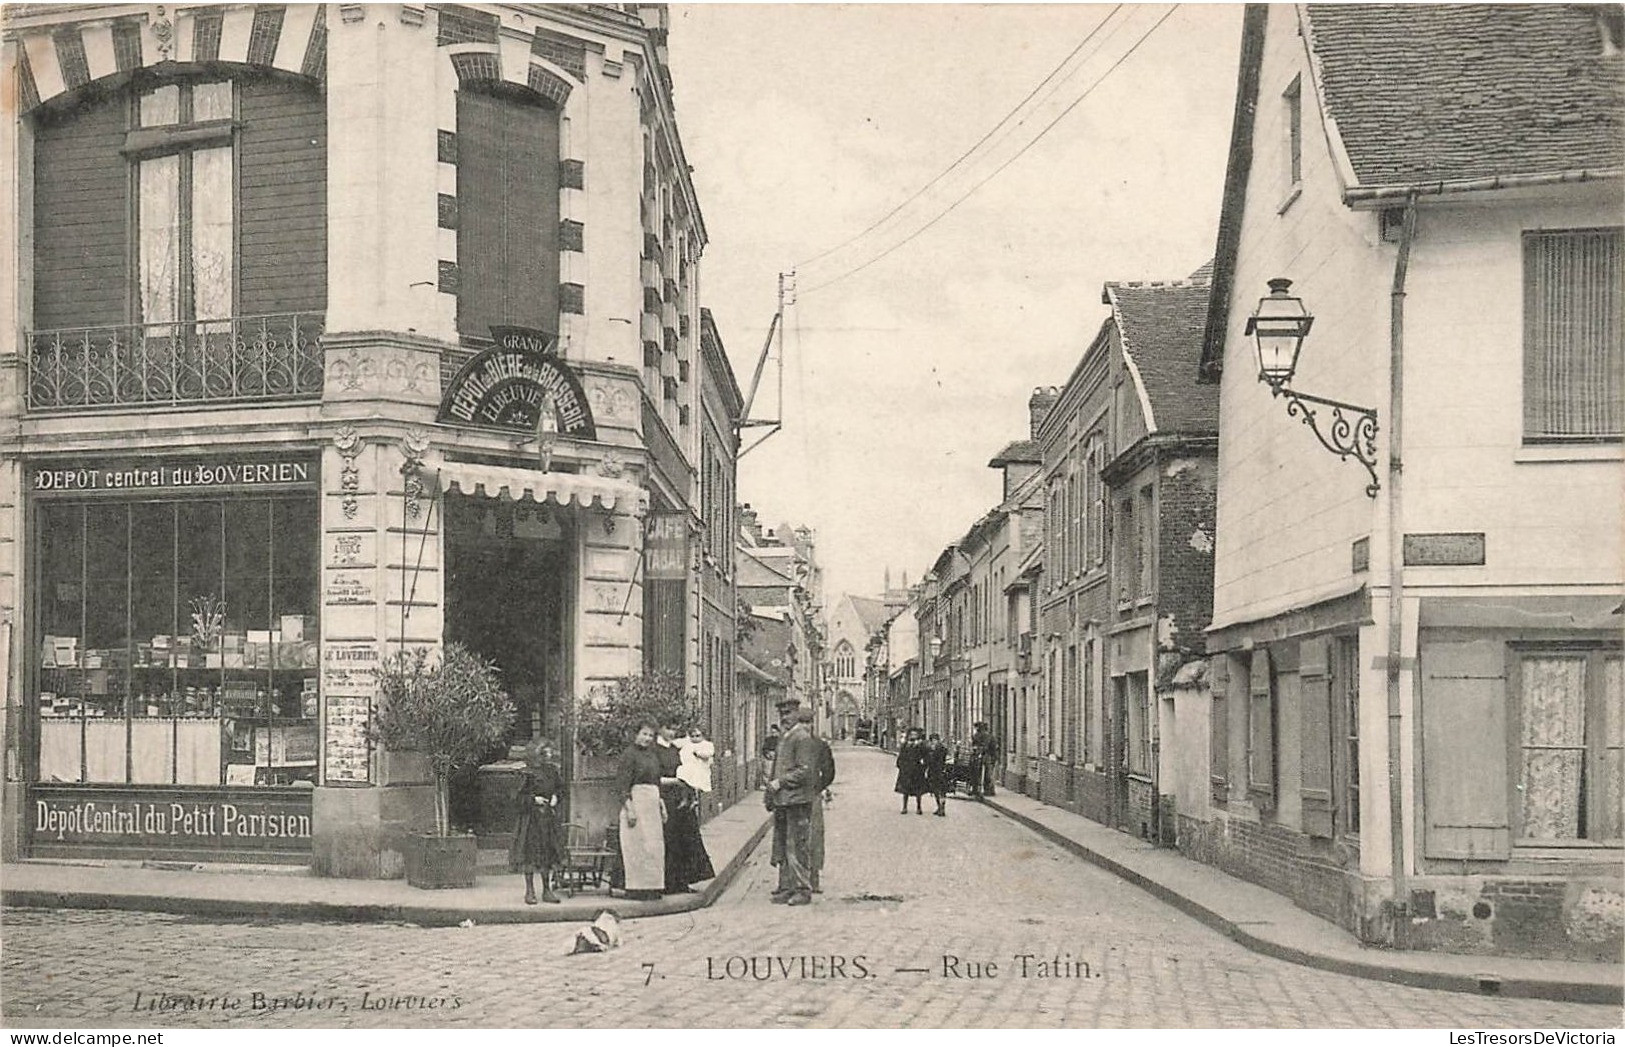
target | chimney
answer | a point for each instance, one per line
(748, 524)
(1038, 405)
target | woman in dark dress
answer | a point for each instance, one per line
(686, 859)
(911, 770)
(537, 847)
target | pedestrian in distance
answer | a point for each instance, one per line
(770, 748)
(984, 759)
(937, 772)
(822, 797)
(790, 794)
(911, 769)
(642, 815)
(537, 847)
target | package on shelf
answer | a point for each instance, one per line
(298, 627)
(94, 658)
(234, 659)
(233, 641)
(213, 660)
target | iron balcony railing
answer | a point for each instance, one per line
(275, 357)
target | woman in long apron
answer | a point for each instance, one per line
(643, 841)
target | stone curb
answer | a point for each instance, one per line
(422, 916)
(1450, 981)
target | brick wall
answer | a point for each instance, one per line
(1185, 534)
(1138, 815)
(1092, 795)
(1278, 858)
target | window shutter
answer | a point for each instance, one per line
(1464, 747)
(507, 213)
(1315, 735)
(1261, 732)
(1218, 674)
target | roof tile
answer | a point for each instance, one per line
(1454, 92)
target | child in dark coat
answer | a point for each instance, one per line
(936, 773)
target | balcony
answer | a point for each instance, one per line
(246, 358)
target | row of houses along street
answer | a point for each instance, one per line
(1311, 566)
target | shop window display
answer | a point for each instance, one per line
(178, 642)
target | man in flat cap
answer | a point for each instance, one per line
(791, 791)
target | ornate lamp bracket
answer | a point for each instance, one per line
(1350, 431)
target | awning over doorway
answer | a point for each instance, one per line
(496, 481)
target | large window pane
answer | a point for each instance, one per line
(1553, 746)
(106, 639)
(212, 233)
(1610, 776)
(158, 188)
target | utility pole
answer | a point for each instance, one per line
(786, 296)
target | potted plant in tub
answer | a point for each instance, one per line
(450, 708)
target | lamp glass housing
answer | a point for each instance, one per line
(1278, 328)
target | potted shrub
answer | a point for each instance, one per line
(451, 709)
(608, 719)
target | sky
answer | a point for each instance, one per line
(805, 124)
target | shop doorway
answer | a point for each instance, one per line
(509, 591)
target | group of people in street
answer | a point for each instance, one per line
(924, 767)
(662, 776)
(802, 768)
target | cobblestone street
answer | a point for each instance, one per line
(923, 924)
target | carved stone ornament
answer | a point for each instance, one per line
(612, 465)
(352, 370)
(163, 33)
(412, 376)
(415, 445)
(348, 443)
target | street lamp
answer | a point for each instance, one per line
(1278, 328)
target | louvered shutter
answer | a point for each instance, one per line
(1315, 737)
(1219, 728)
(1261, 731)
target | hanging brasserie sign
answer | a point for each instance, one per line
(506, 386)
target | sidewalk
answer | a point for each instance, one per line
(1265, 922)
(290, 892)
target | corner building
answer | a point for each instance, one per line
(335, 330)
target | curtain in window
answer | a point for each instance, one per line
(1574, 354)
(211, 233)
(158, 187)
(150, 756)
(58, 750)
(1553, 746)
(105, 750)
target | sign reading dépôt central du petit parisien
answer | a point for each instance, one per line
(267, 822)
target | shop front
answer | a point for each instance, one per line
(172, 655)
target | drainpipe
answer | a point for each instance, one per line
(1396, 572)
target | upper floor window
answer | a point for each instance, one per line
(1292, 118)
(185, 202)
(1573, 351)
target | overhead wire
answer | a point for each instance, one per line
(883, 219)
(996, 171)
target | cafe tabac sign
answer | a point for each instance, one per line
(505, 387)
